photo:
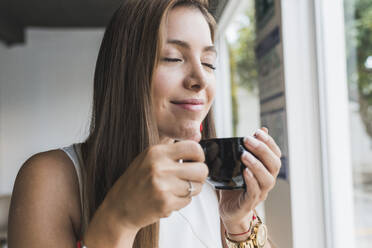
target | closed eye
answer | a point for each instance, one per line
(180, 60)
(209, 65)
(172, 60)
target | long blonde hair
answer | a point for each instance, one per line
(123, 123)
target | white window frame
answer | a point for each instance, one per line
(315, 70)
(336, 143)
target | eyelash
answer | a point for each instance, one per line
(178, 60)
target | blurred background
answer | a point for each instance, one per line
(301, 68)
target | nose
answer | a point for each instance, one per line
(196, 78)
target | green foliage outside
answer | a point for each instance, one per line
(243, 54)
(243, 63)
(358, 25)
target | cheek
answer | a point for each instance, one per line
(211, 90)
(163, 83)
(159, 84)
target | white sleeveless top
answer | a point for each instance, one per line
(195, 226)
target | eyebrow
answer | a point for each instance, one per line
(186, 45)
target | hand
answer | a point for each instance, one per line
(259, 176)
(155, 184)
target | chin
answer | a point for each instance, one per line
(195, 136)
(184, 132)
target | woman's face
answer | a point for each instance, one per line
(183, 85)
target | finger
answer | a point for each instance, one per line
(264, 179)
(264, 154)
(253, 191)
(192, 171)
(269, 141)
(181, 188)
(187, 150)
(265, 129)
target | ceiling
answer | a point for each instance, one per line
(17, 15)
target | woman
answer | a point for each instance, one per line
(154, 85)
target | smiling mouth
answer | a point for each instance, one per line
(190, 104)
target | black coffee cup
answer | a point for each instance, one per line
(222, 156)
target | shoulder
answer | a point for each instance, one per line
(40, 159)
(45, 196)
(54, 164)
(49, 174)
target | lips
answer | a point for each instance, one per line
(190, 104)
(189, 101)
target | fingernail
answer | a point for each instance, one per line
(261, 133)
(249, 172)
(251, 141)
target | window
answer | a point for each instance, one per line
(358, 27)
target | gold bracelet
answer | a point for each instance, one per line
(248, 243)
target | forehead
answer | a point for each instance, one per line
(188, 24)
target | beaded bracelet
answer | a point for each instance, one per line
(80, 244)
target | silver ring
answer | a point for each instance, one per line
(191, 189)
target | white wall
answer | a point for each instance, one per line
(46, 88)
